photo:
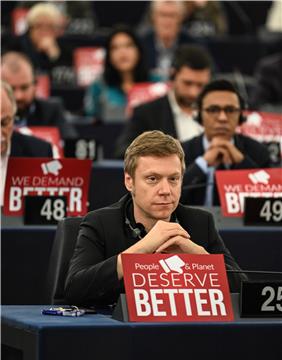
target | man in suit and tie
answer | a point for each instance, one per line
(173, 113)
(220, 109)
(18, 72)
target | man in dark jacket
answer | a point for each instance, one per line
(220, 111)
(174, 113)
(148, 220)
(17, 70)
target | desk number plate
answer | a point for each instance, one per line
(261, 299)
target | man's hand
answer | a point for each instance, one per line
(178, 244)
(222, 151)
(49, 46)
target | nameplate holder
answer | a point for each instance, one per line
(176, 288)
(44, 210)
(265, 211)
(82, 148)
(120, 312)
(261, 299)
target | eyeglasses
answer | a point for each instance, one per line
(229, 110)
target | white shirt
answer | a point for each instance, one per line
(186, 126)
(4, 165)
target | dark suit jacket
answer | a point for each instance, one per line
(29, 146)
(92, 276)
(48, 112)
(256, 156)
(154, 115)
(151, 50)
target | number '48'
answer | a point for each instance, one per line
(53, 209)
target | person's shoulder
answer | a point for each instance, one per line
(193, 216)
(148, 106)
(108, 212)
(250, 142)
(51, 102)
(188, 144)
(31, 146)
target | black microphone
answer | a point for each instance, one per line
(136, 232)
(259, 272)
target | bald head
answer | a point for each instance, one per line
(17, 71)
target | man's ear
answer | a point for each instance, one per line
(128, 182)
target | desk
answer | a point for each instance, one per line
(26, 251)
(42, 337)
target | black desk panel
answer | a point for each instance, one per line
(26, 251)
(41, 337)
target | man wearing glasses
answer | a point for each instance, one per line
(220, 109)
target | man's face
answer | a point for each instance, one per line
(155, 188)
(22, 83)
(188, 84)
(167, 19)
(7, 121)
(220, 114)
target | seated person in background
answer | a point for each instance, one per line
(147, 220)
(40, 42)
(164, 35)
(13, 143)
(106, 98)
(173, 113)
(267, 92)
(220, 111)
(17, 70)
(205, 18)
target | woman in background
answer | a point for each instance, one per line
(106, 98)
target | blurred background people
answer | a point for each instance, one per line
(205, 18)
(219, 147)
(165, 34)
(173, 113)
(13, 143)
(267, 92)
(106, 98)
(17, 70)
(40, 43)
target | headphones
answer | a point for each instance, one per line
(136, 232)
(220, 85)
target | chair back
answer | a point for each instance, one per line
(61, 254)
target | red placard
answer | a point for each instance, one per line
(88, 63)
(234, 185)
(145, 92)
(48, 133)
(43, 86)
(19, 22)
(262, 126)
(47, 177)
(180, 287)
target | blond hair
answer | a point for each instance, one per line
(43, 9)
(152, 143)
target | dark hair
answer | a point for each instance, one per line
(219, 85)
(193, 56)
(111, 75)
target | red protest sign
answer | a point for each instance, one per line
(234, 185)
(180, 287)
(47, 177)
(144, 92)
(88, 63)
(262, 126)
